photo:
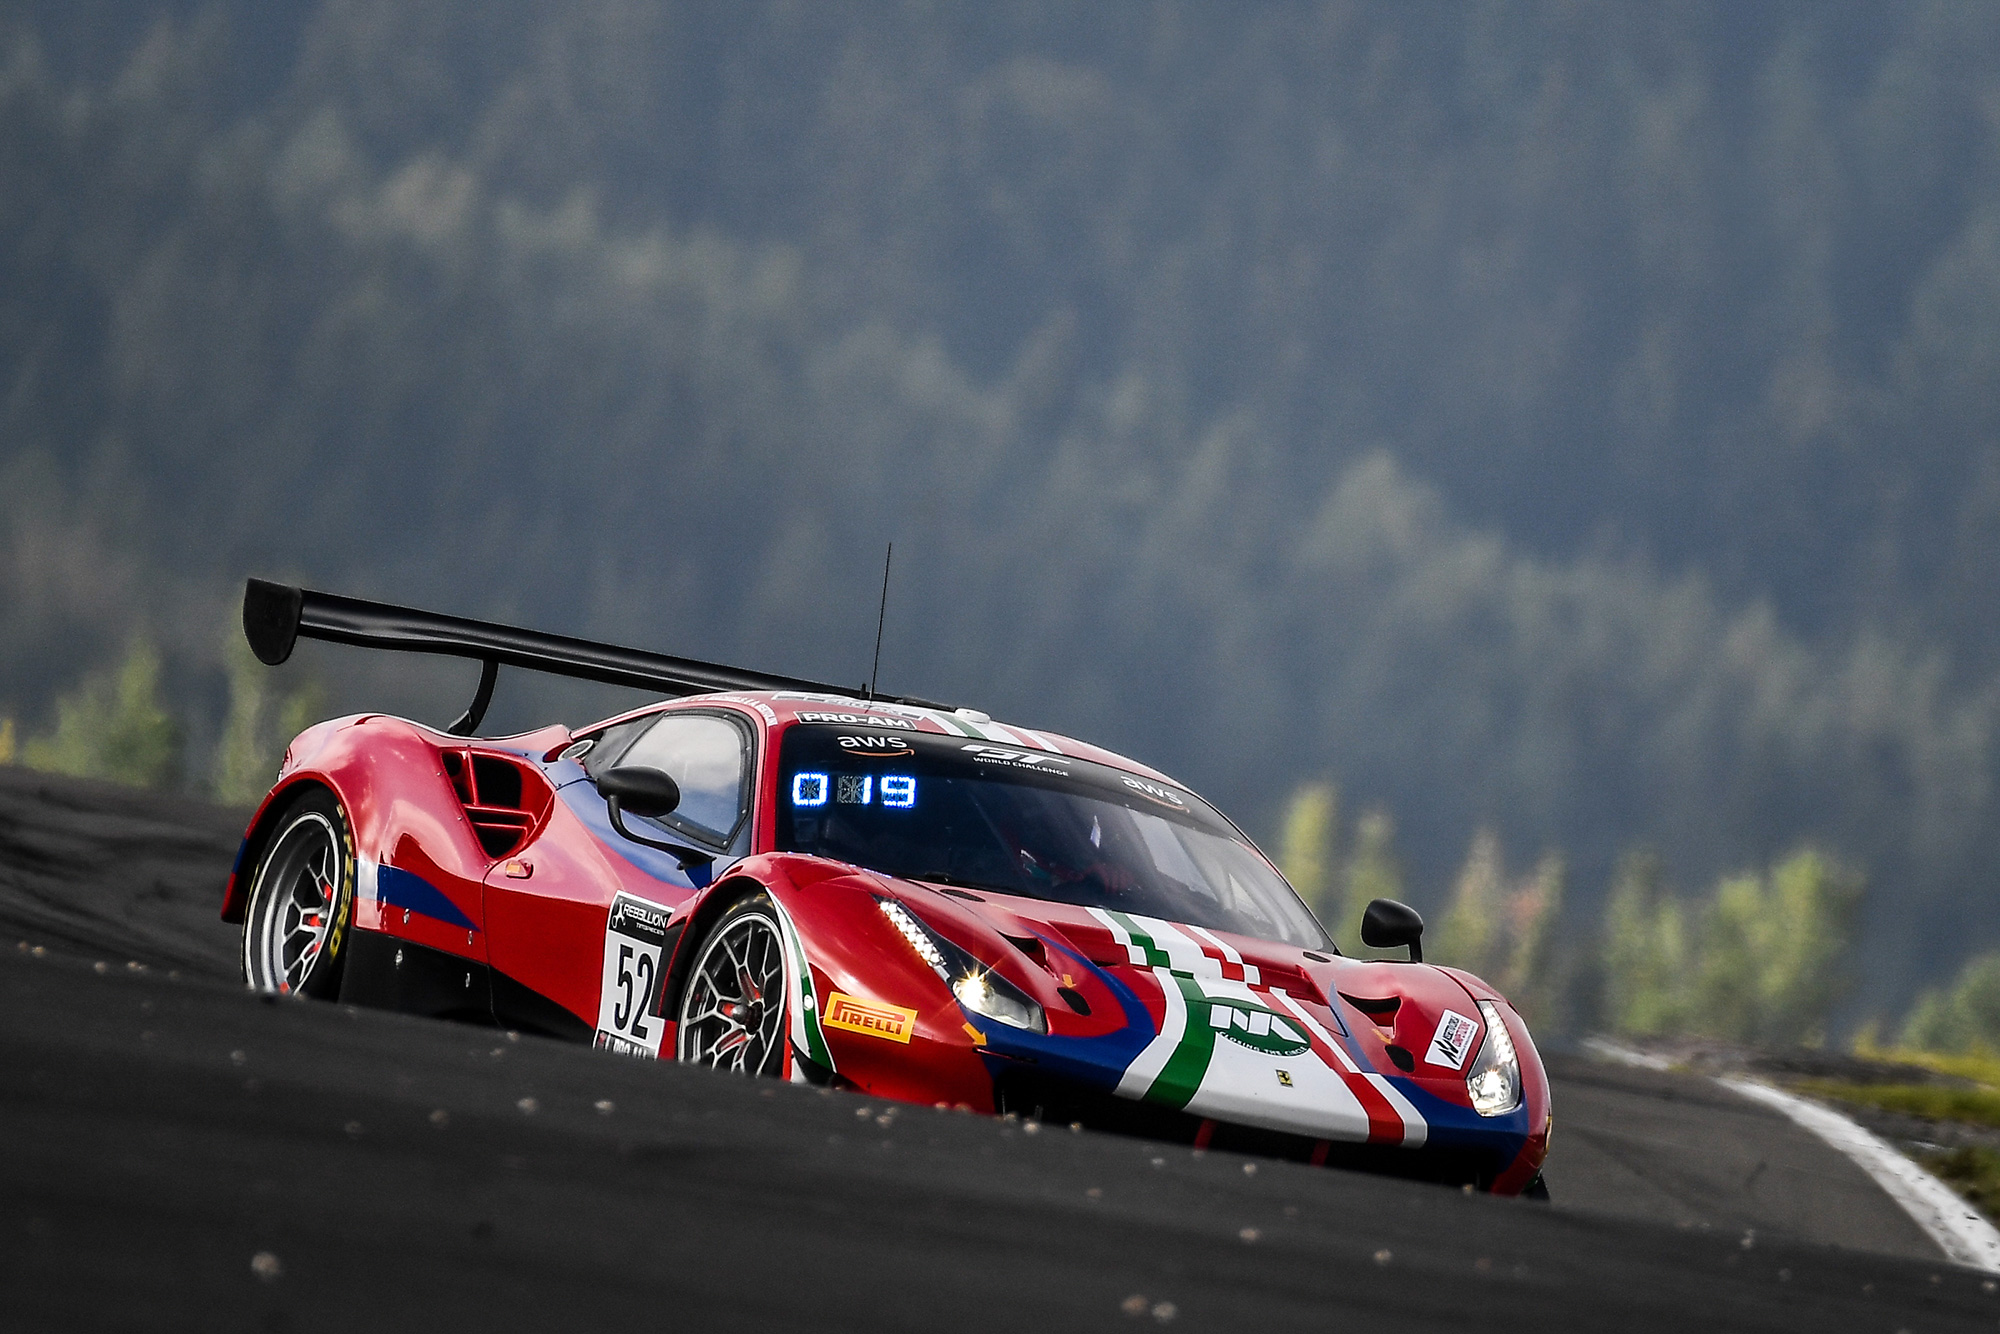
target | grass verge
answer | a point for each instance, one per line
(1973, 1173)
(1978, 1106)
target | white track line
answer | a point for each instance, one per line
(1960, 1231)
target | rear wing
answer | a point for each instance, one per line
(276, 616)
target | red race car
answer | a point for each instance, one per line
(780, 878)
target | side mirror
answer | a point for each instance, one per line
(642, 791)
(649, 793)
(1387, 924)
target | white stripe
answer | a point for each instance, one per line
(798, 978)
(995, 732)
(364, 879)
(1415, 1129)
(1134, 954)
(1960, 1231)
(1139, 1076)
(1038, 739)
(1250, 973)
(952, 725)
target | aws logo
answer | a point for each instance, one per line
(1259, 1030)
(886, 746)
(1166, 796)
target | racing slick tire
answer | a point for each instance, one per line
(300, 912)
(735, 1007)
(1538, 1189)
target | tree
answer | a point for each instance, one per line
(1373, 872)
(1645, 950)
(1473, 933)
(1964, 1017)
(1307, 847)
(114, 726)
(1536, 977)
(258, 727)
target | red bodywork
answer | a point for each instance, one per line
(486, 856)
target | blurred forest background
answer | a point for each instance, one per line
(1540, 458)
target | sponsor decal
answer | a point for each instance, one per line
(1452, 1042)
(1285, 1078)
(769, 714)
(885, 746)
(1259, 1030)
(1166, 796)
(876, 1019)
(628, 1016)
(856, 720)
(1025, 759)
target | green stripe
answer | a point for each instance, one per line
(1181, 1077)
(957, 725)
(1155, 956)
(816, 1048)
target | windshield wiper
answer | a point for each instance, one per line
(956, 882)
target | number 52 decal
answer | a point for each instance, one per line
(634, 940)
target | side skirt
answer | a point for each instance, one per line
(385, 973)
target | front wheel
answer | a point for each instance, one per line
(296, 925)
(734, 1008)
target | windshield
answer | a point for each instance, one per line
(1018, 821)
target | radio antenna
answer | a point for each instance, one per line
(881, 617)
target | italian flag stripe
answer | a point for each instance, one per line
(1180, 1079)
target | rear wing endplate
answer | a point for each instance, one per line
(276, 616)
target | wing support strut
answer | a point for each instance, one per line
(468, 722)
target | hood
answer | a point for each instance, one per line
(1221, 1025)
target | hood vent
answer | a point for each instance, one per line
(1382, 1011)
(502, 801)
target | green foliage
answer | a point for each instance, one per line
(1964, 1017)
(1536, 976)
(1307, 846)
(1758, 962)
(259, 725)
(6, 740)
(114, 726)
(1373, 871)
(1802, 938)
(1471, 934)
(1937, 1102)
(1645, 951)
(1973, 1172)
(1507, 933)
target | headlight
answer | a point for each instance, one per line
(1495, 1081)
(977, 987)
(997, 998)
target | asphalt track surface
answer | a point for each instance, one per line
(180, 1154)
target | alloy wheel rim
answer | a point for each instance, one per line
(733, 1015)
(296, 897)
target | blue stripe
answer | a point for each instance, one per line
(397, 888)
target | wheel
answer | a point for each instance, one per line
(735, 1007)
(296, 926)
(1538, 1189)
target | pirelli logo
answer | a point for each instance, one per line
(871, 1017)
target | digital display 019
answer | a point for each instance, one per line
(897, 792)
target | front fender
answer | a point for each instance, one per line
(865, 1008)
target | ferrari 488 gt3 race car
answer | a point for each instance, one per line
(780, 878)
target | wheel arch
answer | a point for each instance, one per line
(721, 896)
(236, 894)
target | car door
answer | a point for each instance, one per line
(576, 920)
